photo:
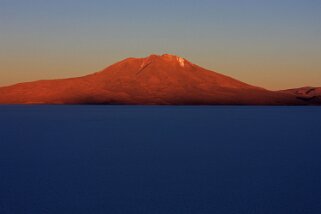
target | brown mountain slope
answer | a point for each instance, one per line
(164, 80)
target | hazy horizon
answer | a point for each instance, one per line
(272, 44)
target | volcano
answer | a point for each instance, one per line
(154, 80)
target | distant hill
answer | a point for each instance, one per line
(155, 80)
(310, 94)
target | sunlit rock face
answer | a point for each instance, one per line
(154, 80)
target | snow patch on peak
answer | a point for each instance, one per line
(168, 57)
(143, 64)
(181, 61)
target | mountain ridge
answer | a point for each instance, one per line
(155, 80)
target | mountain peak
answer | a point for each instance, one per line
(169, 57)
(166, 55)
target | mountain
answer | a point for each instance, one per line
(311, 94)
(155, 80)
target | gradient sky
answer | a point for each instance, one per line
(271, 43)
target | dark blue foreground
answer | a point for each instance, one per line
(150, 160)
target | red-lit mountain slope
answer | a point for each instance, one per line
(164, 80)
